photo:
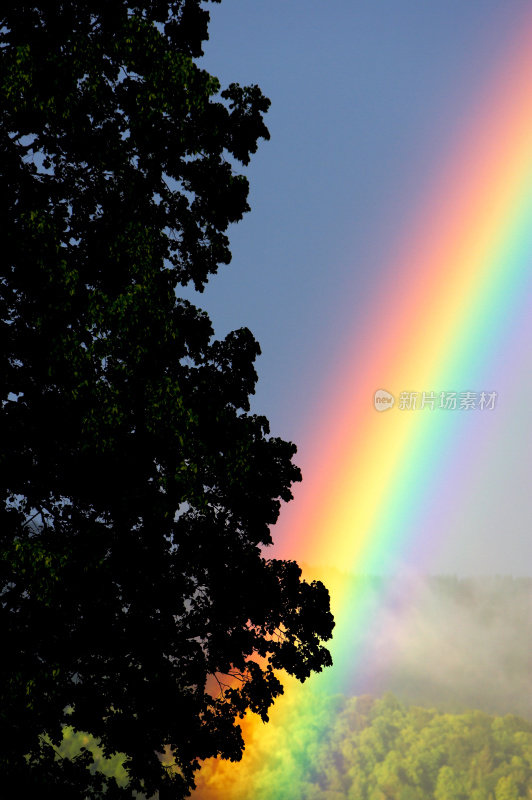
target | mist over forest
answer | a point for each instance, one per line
(453, 643)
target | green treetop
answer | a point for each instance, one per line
(137, 489)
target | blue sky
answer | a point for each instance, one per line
(367, 99)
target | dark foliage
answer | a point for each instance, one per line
(136, 487)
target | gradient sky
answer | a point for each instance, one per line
(369, 98)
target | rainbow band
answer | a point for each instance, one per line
(447, 309)
(453, 301)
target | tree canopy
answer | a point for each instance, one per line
(137, 488)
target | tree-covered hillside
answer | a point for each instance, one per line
(381, 750)
(442, 646)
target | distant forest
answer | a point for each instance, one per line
(383, 750)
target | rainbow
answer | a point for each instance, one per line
(453, 303)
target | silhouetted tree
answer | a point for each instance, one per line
(137, 489)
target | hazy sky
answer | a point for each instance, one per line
(368, 97)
